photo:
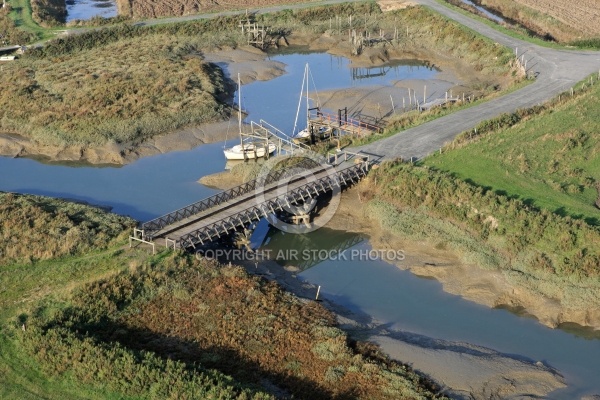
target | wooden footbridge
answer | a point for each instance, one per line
(218, 216)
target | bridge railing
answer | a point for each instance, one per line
(155, 225)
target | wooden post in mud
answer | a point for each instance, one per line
(392, 100)
(424, 93)
(403, 104)
(318, 291)
(409, 98)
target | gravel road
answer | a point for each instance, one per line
(556, 70)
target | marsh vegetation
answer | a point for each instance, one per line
(121, 323)
(126, 84)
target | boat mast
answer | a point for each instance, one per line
(300, 101)
(240, 110)
(307, 106)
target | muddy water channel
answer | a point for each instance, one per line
(485, 11)
(399, 300)
(158, 184)
(86, 9)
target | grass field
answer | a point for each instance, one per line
(122, 92)
(550, 160)
(22, 16)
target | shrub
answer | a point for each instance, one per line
(37, 228)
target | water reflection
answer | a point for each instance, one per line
(397, 70)
(484, 11)
(307, 251)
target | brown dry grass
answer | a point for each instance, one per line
(201, 316)
(125, 91)
(37, 228)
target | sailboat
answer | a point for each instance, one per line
(304, 134)
(247, 149)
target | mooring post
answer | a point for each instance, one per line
(318, 291)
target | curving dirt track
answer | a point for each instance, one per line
(556, 70)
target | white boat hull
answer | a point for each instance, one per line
(248, 151)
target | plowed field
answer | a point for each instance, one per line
(561, 19)
(163, 8)
(583, 15)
